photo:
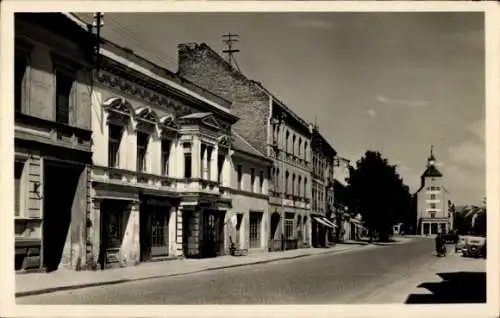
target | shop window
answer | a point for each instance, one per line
(255, 226)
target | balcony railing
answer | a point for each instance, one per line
(122, 176)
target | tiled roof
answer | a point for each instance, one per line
(238, 143)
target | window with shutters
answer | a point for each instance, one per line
(18, 192)
(64, 83)
(20, 67)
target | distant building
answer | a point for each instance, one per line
(322, 189)
(433, 215)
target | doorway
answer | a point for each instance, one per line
(213, 234)
(60, 184)
(114, 217)
(154, 233)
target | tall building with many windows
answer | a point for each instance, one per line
(323, 157)
(270, 127)
(433, 215)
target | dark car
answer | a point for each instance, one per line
(475, 246)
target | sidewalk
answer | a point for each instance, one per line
(443, 279)
(40, 283)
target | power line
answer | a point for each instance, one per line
(229, 39)
(146, 46)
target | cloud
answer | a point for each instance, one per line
(468, 153)
(370, 112)
(312, 24)
(478, 129)
(401, 102)
(471, 152)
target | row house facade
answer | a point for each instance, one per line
(323, 160)
(271, 128)
(52, 131)
(161, 164)
(120, 162)
(248, 223)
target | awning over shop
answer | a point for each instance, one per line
(323, 221)
(332, 225)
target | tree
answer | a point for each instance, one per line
(479, 227)
(378, 193)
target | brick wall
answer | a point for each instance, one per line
(199, 64)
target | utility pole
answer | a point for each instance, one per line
(229, 39)
(96, 24)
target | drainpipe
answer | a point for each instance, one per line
(283, 181)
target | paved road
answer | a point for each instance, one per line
(323, 279)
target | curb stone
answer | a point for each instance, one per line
(120, 281)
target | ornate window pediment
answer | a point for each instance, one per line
(119, 110)
(168, 126)
(147, 115)
(118, 105)
(206, 119)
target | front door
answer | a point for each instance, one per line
(209, 234)
(112, 231)
(159, 233)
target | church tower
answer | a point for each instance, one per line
(432, 200)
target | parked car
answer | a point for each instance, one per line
(474, 247)
(460, 244)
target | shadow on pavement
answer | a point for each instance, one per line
(456, 287)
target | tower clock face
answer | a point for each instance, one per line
(432, 162)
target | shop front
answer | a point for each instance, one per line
(158, 227)
(203, 227)
(322, 228)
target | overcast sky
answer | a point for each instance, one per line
(393, 82)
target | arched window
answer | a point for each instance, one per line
(305, 150)
(293, 184)
(299, 147)
(293, 144)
